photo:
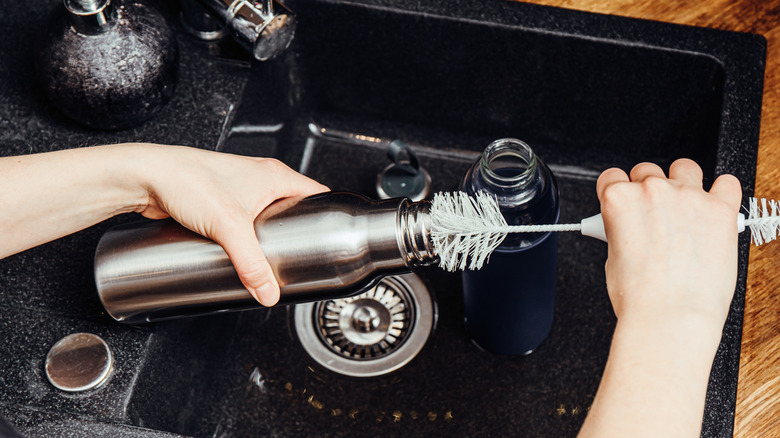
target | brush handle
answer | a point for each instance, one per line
(594, 226)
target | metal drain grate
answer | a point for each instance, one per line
(370, 334)
(368, 326)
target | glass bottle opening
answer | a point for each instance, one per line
(508, 163)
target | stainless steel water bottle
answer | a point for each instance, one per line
(322, 247)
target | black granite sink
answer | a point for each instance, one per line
(586, 91)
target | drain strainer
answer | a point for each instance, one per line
(370, 334)
(369, 326)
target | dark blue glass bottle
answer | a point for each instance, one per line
(509, 303)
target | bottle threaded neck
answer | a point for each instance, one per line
(416, 235)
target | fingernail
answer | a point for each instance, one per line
(265, 294)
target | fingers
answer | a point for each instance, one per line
(686, 172)
(240, 241)
(728, 189)
(251, 264)
(646, 170)
(607, 178)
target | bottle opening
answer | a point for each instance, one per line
(508, 163)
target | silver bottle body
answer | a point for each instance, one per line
(325, 246)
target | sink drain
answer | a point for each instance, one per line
(370, 334)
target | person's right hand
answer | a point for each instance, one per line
(671, 271)
(672, 245)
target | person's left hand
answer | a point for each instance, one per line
(219, 195)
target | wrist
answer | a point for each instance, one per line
(133, 164)
(686, 332)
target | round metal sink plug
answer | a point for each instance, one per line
(370, 334)
(79, 362)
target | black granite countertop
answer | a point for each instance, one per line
(48, 292)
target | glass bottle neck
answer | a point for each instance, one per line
(509, 169)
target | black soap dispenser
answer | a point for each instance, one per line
(108, 64)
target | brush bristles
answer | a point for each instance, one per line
(763, 220)
(465, 230)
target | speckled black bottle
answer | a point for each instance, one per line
(108, 64)
(509, 303)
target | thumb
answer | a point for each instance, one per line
(251, 264)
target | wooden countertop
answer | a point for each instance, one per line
(758, 394)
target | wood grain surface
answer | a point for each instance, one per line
(758, 395)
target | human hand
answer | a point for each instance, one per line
(672, 246)
(219, 195)
(671, 270)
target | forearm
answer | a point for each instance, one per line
(655, 380)
(47, 196)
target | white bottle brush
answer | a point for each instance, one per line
(465, 230)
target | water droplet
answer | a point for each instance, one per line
(258, 380)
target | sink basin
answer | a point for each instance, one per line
(587, 92)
